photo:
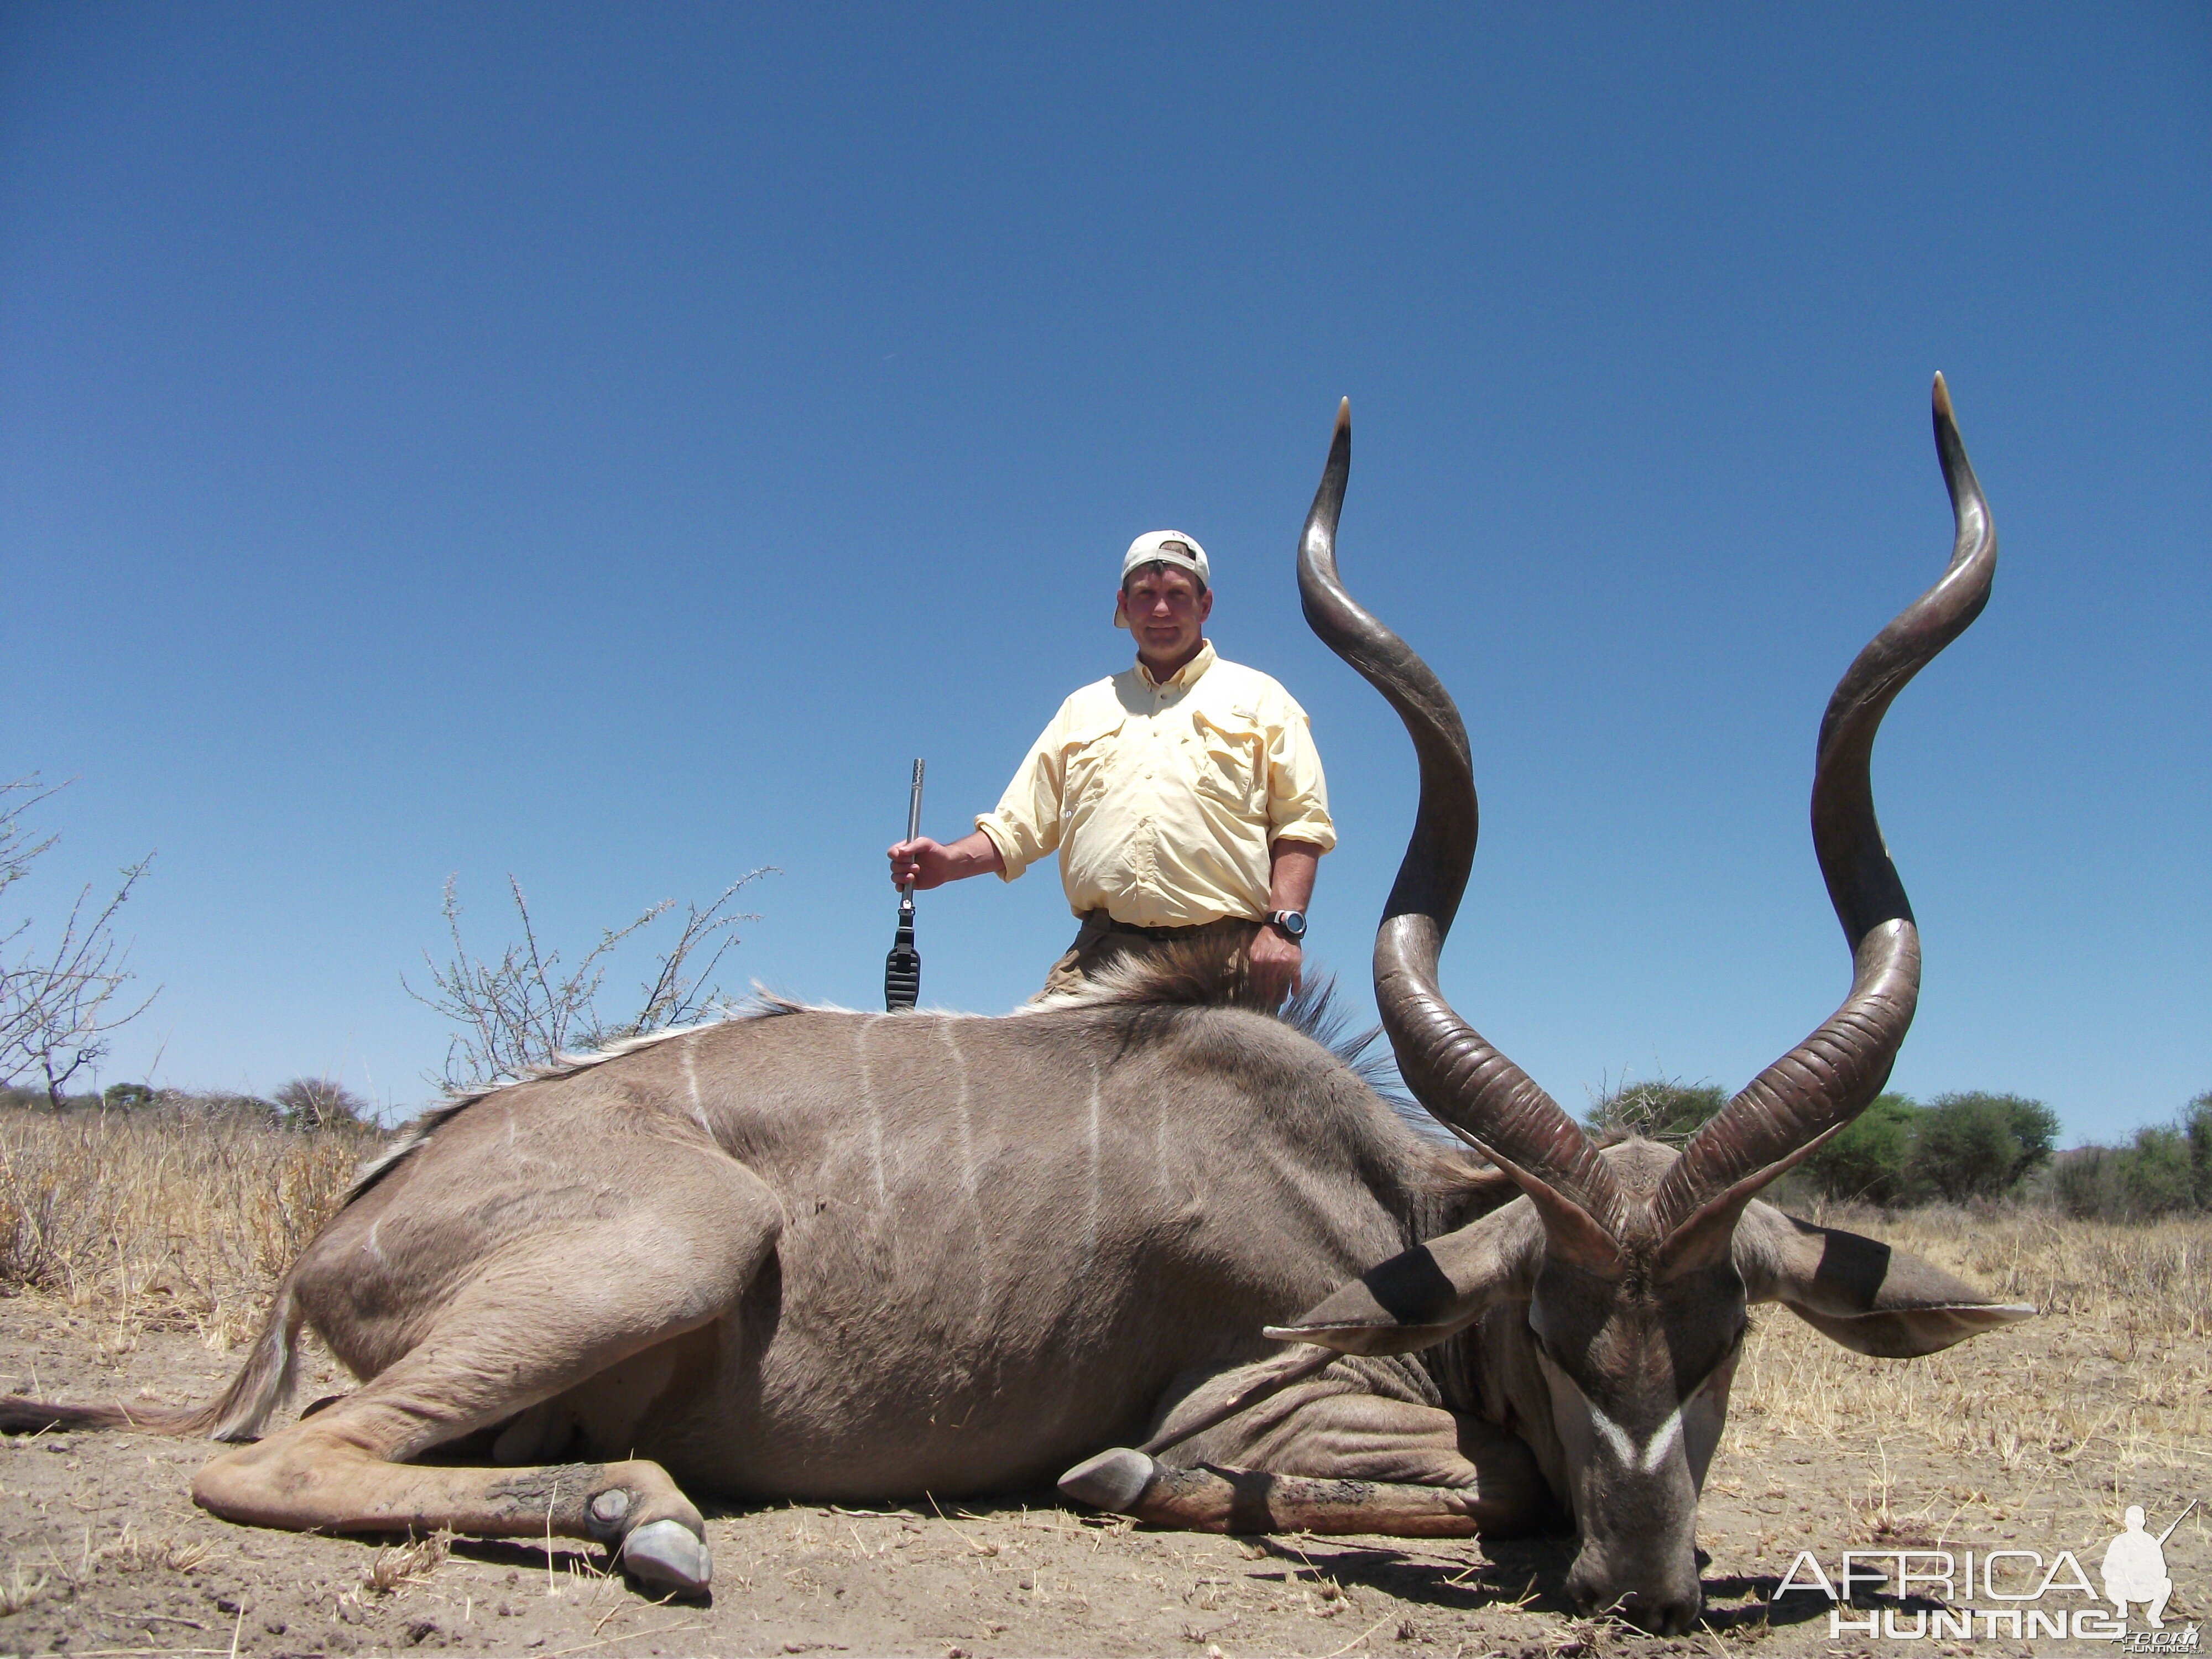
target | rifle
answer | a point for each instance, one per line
(902, 967)
(2178, 1519)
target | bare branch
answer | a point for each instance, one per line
(526, 1008)
(57, 1004)
(670, 998)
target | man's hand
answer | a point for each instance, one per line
(924, 863)
(920, 864)
(1277, 964)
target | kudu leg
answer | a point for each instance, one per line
(1330, 1462)
(539, 1316)
(1255, 1501)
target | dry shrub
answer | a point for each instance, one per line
(181, 1210)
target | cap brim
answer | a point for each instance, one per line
(1181, 562)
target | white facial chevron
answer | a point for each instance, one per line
(1652, 1455)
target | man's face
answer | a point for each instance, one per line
(1166, 610)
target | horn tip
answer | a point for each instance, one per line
(1941, 398)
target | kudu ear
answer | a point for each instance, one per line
(1860, 1291)
(1421, 1295)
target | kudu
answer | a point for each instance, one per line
(827, 1255)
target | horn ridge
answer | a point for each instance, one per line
(1450, 1068)
(1817, 1089)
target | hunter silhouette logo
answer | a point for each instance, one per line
(2007, 1594)
(2134, 1567)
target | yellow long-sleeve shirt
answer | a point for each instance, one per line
(1165, 799)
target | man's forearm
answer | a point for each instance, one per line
(974, 854)
(1292, 865)
(1276, 957)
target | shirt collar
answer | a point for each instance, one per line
(1187, 675)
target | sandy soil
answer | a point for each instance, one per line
(101, 1551)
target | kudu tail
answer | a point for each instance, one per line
(262, 1387)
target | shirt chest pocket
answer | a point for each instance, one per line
(1228, 751)
(1086, 761)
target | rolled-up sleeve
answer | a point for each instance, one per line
(1024, 826)
(1297, 793)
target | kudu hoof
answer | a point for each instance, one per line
(667, 1555)
(1112, 1480)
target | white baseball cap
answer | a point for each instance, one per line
(1163, 547)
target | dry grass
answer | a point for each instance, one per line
(130, 1553)
(165, 1214)
(17, 1592)
(2106, 1398)
(399, 1565)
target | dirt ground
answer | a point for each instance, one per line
(2035, 1438)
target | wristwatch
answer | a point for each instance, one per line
(1292, 922)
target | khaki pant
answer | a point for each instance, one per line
(1103, 941)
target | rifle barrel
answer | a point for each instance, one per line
(2178, 1519)
(913, 820)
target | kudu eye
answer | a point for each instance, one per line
(1734, 1347)
(1549, 1357)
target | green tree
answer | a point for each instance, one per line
(1979, 1145)
(2154, 1173)
(1661, 1110)
(316, 1102)
(123, 1096)
(2196, 1126)
(1868, 1159)
(2166, 1169)
(2085, 1183)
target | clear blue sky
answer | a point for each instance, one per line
(606, 443)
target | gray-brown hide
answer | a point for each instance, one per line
(822, 1254)
(920, 1252)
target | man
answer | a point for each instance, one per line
(1184, 795)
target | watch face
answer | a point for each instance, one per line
(1292, 922)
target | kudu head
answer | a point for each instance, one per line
(1635, 1264)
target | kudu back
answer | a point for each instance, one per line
(814, 1254)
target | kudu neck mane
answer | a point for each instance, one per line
(1208, 972)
